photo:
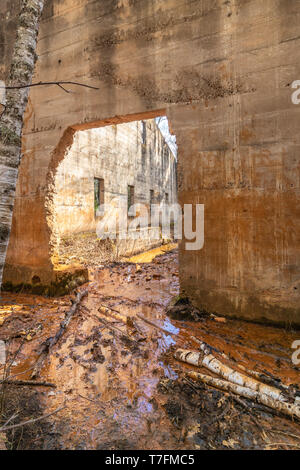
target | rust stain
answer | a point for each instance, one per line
(246, 134)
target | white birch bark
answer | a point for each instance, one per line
(207, 360)
(290, 409)
(11, 121)
(253, 373)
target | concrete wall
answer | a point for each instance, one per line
(222, 72)
(133, 154)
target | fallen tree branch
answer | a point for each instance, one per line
(115, 328)
(28, 383)
(164, 330)
(289, 409)
(174, 335)
(208, 360)
(10, 377)
(260, 376)
(281, 444)
(249, 410)
(113, 310)
(247, 349)
(277, 431)
(57, 83)
(50, 342)
(115, 314)
(125, 319)
(30, 421)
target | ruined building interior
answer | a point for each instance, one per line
(141, 343)
(130, 160)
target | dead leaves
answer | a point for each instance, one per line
(31, 333)
(2, 441)
(230, 443)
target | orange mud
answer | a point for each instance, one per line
(125, 391)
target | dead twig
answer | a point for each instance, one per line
(249, 409)
(196, 390)
(16, 375)
(50, 342)
(6, 373)
(115, 328)
(272, 444)
(30, 421)
(28, 383)
(100, 405)
(14, 416)
(57, 83)
(160, 328)
(126, 320)
(88, 399)
(283, 433)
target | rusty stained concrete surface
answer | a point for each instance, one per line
(222, 72)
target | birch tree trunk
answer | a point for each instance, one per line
(290, 409)
(209, 361)
(11, 121)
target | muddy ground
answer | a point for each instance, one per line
(118, 382)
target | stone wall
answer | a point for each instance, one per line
(134, 154)
(222, 72)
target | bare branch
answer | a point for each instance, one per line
(50, 342)
(28, 383)
(59, 84)
(30, 421)
(4, 109)
(64, 89)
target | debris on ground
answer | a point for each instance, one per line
(182, 309)
(115, 379)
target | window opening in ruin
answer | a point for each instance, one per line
(151, 200)
(144, 132)
(98, 196)
(130, 199)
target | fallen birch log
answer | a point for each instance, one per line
(261, 376)
(267, 379)
(113, 313)
(208, 360)
(50, 342)
(290, 409)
